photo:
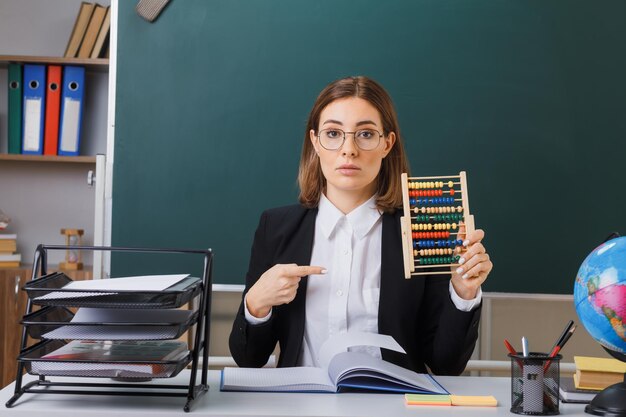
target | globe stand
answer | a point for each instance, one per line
(611, 401)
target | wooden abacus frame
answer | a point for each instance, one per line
(411, 266)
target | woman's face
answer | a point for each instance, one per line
(350, 169)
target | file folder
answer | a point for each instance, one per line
(53, 100)
(71, 110)
(15, 109)
(33, 114)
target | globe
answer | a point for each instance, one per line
(600, 294)
(600, 301)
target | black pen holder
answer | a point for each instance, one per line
(535, 384)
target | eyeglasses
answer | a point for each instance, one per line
(333, 139)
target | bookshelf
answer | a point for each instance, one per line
(50, 178)
(28, 180)
(90, 64)
(49, 158)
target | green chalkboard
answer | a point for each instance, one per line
(528, 97)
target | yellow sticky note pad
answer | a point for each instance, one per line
(427, 399)
(474, 400)
(460, 400)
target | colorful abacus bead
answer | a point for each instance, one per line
(438, 260)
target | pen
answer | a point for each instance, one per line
(554, 352)
(569, 334)
(524, 346)
(562, 341)
(559, 341)
(512, 351)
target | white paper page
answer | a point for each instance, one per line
(138, 283)
(276, 379)
(342, 342)
(362, 364)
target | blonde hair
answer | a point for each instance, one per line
(388, 188)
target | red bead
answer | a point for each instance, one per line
(451, 191)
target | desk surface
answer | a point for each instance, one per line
(216, 403)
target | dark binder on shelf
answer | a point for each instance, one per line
(15, 109)
(53, 100)
(33, 109)
(71, 110)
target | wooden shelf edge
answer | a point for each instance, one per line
(100, 64)
(48, 158)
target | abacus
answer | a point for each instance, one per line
(434, 207)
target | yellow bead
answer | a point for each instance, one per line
(450, 184)
(453, 226)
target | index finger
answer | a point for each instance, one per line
(304, 270)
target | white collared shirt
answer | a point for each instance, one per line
(346, 298)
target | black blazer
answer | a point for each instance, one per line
(417, 312)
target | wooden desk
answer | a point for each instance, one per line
(230, 404)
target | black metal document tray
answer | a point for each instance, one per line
(37, 365)
(172, 297)
(43, 323)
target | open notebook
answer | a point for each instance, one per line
(341, 370)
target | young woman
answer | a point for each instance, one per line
(333, 263)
